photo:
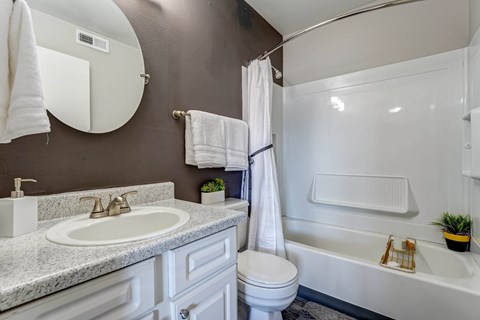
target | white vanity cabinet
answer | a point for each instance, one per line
(215, 299)
(196, 281)
(203, 279)
(124, 294)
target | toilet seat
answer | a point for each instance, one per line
(265, 270)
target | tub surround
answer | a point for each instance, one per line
(473, 101)
(33, 267)
(409, 108)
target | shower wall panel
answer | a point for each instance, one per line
(473, 102)
(400, 120)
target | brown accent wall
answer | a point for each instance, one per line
(193, 50)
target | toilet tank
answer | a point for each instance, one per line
(242, 227)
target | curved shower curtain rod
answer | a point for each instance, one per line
(340, 17)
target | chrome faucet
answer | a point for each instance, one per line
(116, 206)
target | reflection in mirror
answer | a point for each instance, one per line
(91, 62)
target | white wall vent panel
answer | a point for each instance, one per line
(379, 193)
(93, 41)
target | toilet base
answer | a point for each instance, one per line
(255, 314)
(242, 309)
(266, 303)
(247, 313)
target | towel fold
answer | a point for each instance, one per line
(189, 156)
(25, 113)
(6, 8)
(205, 140)
(236, 143)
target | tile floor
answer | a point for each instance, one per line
(301, 309)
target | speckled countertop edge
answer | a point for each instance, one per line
(32, 267)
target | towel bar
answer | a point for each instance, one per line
(177, 114)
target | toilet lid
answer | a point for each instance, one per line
(265, 269)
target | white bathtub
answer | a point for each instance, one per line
(344, 263)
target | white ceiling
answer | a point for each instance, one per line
(288, 16)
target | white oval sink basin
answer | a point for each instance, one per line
(142, 223)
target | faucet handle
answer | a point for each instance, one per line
(97, 211)
(124, 197)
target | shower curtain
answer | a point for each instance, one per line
(265, 229)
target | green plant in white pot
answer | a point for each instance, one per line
(456, 230)
(213, 191)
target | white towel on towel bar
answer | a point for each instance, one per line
(205, 140)
(236, 140)
(25, 114)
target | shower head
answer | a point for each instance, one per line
(278, 73)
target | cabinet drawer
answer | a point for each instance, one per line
(195, 262)
(124, 294)
(215, 299)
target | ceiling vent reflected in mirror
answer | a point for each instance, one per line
(92, 41)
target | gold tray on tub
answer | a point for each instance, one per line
(400, 259)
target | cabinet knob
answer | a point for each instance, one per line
(184, 313)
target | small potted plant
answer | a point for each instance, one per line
(213, 191)
(456, 230)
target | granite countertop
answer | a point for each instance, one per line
(32, 267)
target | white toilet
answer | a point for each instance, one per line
(267, 284)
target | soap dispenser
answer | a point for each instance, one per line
(18, 214)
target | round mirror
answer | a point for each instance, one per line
(90, 61)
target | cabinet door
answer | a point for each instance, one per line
(194, 262)
(121, 295)
(215, 299)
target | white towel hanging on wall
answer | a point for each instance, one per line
(6, 8)
(25, 113)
